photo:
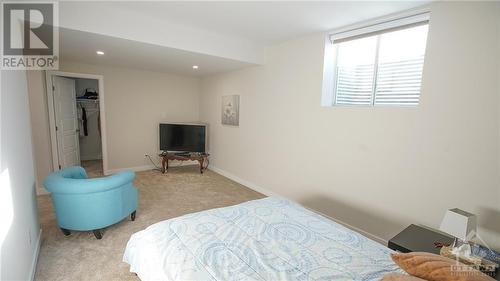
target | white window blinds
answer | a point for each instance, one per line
(383, 67)
(355, 71)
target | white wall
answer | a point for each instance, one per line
(498, 82)
(378, 169)
(135, 102)
(40, 127)
(19, 228)
(90, 145)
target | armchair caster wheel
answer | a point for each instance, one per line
(65, 231)
(97, 233)
(132, 216)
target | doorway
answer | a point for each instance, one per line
(76, 116)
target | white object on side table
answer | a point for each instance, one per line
(462, 225)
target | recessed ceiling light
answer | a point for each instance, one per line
(100, 53)
(195, 67)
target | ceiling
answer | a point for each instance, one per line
(82, 46)
(260, 24)
(266, 22)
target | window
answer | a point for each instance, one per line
(381, 67)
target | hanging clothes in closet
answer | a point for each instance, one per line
(85, 110)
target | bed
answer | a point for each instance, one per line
(266, 239)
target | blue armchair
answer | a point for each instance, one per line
(85, 204)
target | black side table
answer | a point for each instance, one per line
(415, 238)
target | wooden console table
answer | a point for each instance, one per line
(201, 158)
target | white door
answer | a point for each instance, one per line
(66, 117)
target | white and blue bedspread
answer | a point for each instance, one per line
(266, 239)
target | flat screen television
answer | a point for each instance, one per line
(183, 137)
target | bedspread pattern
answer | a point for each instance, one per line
(266, 239)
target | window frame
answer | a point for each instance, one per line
(374, 28)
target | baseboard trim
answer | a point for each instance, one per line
(268, 192)
(35, 256)
(149, 167)
(40, 190)
(371, 236)
(246, 183)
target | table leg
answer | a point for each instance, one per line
(164, 163)
(201, 165)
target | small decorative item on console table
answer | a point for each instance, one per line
(202, 158)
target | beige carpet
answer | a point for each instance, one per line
(93, 168)
(82, 257)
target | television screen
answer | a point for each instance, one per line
(182, 137)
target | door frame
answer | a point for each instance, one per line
(52, 121)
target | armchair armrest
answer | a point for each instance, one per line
(74, 185)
